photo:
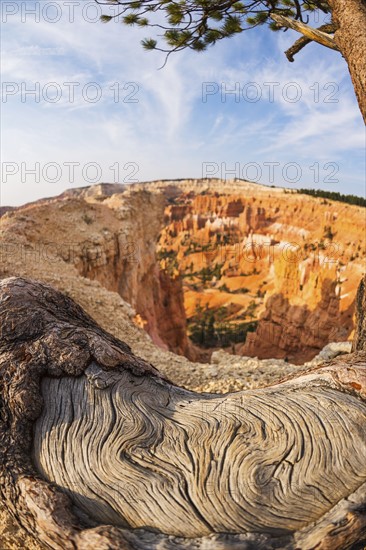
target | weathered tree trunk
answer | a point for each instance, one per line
(350, 18)
(97, 449)
(359, 341)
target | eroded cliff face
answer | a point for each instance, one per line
(260, 271)
(274, 269)
(294, 328)
(107, 234)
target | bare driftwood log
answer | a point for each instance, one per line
(97, 449)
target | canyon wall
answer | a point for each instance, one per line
(261, 271)
(107, 234)
(285, 264)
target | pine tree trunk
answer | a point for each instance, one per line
(359, 341)
(350, 17)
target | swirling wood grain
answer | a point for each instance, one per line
(142, 453)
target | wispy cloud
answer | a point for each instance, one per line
(160, 122)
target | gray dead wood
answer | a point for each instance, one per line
(97, 449)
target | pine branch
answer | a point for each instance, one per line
(310, 33)
(329, 28)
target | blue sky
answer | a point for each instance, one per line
(293, 124)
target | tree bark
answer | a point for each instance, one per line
(350, 18)
(359, 341)
(97, 449)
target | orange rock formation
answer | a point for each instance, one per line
(245, 256)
